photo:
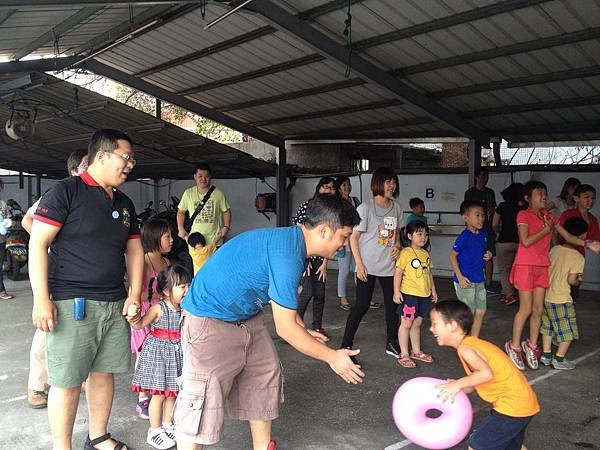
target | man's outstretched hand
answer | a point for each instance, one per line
(345, 368)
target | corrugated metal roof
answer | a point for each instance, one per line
(534, 65)
(66, 116)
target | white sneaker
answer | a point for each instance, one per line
(170, 431)
(159, 439)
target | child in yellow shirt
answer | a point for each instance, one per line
(489, 372)
(199, 250)
(414, 290)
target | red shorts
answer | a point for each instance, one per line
(527, 278)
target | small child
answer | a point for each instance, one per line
(414, 289)
(157, 242)
(491, 374)
(467, 259)
(558, 318)
(199, 250)
(530, 274)
(418, 211)
(161, 358)
(584, 197)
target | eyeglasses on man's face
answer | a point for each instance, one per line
(127, 157)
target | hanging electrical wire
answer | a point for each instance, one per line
(348, 34)
(203, 9)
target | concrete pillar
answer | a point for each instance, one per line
(496, 152)
(158, 108)
(38, 186)
(474, 153)
(156, 192)
(281, 187)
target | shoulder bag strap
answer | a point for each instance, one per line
(201, 204)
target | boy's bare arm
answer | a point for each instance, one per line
(481, 373)
(574, 279)
(462, 281)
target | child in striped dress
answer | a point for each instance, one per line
(160, 361)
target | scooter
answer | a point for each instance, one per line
(17, 239)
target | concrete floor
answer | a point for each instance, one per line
(320, 410)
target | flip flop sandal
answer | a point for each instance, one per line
(424, 357)
(345, 306)
(5, 296)
(375, 305)
(91, 443)
(406, 362)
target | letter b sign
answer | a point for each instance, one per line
(429, 192)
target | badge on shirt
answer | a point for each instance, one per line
(390, 223)
(115, 214)
(126, 218)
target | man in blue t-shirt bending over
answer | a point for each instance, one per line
(230, 361)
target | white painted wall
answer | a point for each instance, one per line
(447, 189)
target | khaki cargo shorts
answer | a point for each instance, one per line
(227, 366)
(98, 343)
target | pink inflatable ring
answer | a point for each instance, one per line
(418, 396)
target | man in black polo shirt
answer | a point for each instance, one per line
(89, 227)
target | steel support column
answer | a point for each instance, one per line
(281, 187)
(496, 151)
(474, 150)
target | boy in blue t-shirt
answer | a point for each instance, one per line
(467, 259)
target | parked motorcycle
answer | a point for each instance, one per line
(146, 214)
(17, 239)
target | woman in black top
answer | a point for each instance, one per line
(313, 280)
(504, 223)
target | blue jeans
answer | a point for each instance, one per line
(345, 265)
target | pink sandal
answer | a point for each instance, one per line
(420, 356)
(406, 362)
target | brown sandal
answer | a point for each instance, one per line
(420, 356)
(406, 362)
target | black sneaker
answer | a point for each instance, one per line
(393, 349)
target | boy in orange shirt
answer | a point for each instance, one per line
(489, 372)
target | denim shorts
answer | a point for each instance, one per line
(499, 432)
(474, 297)
(413, 307)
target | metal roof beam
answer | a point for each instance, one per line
(197, 108)
(349, 131)
(326, 8)
(287, 65)
(40, 3)
(528, 80)
(38, 65)
(56, 31)
(538, 106)
(294, 95)
(309, 14)
(498, 52)
(219, 47)
(313, 13)
(161, 14)
(588, 126)
(290, 24)
(446, 22)
(330, 112)
(5, 14)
